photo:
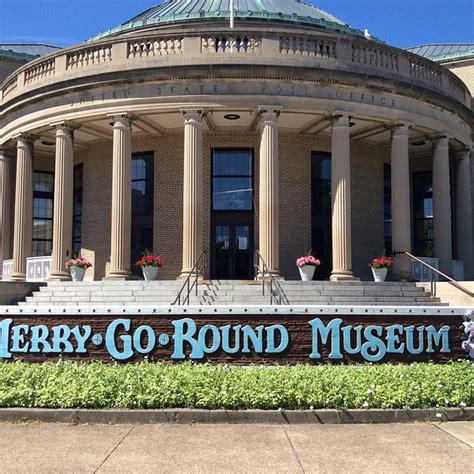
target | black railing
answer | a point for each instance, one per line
(199, 268)
(277, 296)
(449, 279)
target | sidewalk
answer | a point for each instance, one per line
(420, 447)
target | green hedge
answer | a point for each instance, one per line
(163, 385)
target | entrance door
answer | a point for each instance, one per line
(232, 252)
(232, 214)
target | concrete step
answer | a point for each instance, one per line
(164, 292)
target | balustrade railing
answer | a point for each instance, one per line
(37, 268)
(10, 86)
(307, 46)
(89, 56)
(155, 47)
(375, 56)
(40, 70)
(231, 44)
(7, 266)
(425, 71)
(372, 56)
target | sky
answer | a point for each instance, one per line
(401, 23)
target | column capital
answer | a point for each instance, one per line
(441, 140)
(25, 138)
(192, 115)
(268, 116)
(5, 152)
(122, 119)
(463, 154)
(340, 119)
(400, 129)
(65, 126)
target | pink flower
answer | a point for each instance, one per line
(307, 260)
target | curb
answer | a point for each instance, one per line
(276, 417)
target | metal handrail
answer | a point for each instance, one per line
(198, 269)
(451, 280)
(277, 296)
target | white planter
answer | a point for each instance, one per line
(77, 273)
(379, 274)
(307, 272)
(150, 273)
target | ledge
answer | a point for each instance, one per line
(275, 417)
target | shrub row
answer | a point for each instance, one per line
(190, 385)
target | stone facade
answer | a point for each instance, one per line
(465, 71)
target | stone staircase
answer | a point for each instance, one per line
(230, 292)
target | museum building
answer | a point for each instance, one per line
(289, 132)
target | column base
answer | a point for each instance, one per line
(401, 276)
(59, 276)
(18, 277)
(343, 275)
(118, 275)
(185, 273)
(274, 273)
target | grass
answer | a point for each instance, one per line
(191, 385)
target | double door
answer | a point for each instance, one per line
(232, 247)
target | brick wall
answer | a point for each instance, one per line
(295, 196)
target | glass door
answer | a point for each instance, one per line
(232, 252)
(232, 214)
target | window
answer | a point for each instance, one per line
(77, 209)
(387, 207)
(321, 212)
(142, 185)
(43, 192)
(232, 180)
(142, 205)
(423, 213)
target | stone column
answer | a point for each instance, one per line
(5, 193)
(192, 190)
(121, 198)
(269, 203)
(401, 223)
(23, 227)
(442, 205)
(464, 224)
(63, 201)
(341, 200)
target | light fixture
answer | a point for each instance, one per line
(47, 143)
(351, 124)
(420, 143)
(232, 116)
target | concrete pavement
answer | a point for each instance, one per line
(419, 447)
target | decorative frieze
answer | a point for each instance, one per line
(155, 47)
(374, 56)
(231, 44)
(89, 56)
(306, 46)
(39, 71)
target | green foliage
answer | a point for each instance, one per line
(190, 385)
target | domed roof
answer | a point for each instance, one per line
(174, 11)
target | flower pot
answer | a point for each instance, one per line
(307, 272)
(379, 274)
(149, 272)
(77, 273)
